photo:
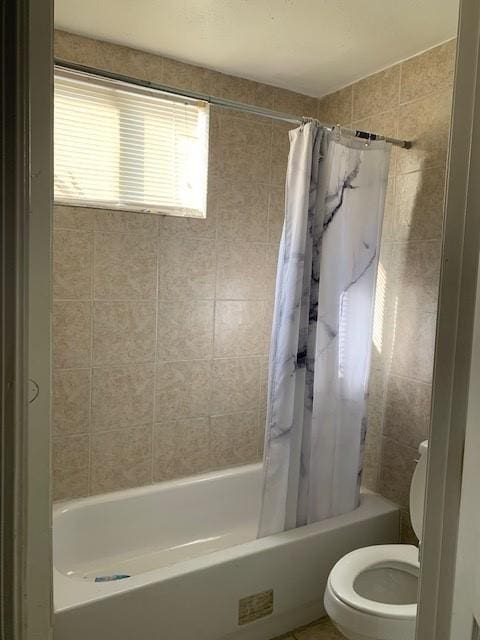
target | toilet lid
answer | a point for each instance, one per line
(343, 575)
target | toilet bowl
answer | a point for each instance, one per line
(371, 593)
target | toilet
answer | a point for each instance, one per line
(371, 592)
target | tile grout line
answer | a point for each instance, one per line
(155, 357)
(92, 327)
(212, 360)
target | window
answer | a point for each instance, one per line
(119, 146)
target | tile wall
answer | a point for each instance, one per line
(161, 324)
(411, 100)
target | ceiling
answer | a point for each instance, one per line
(310, 46)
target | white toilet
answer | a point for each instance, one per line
(371, 593)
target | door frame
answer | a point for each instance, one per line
(455, 323)
(26, 30)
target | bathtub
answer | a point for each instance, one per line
(196, 570)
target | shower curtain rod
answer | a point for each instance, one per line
(223, 103)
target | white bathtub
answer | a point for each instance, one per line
(190, 549)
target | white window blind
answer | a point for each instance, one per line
(119, 146)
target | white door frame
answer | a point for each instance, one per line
(454, 338)
(25, 201)
(39, 501)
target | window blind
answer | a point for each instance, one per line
(120, 146)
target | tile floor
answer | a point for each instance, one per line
(319, 630)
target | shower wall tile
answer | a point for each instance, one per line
(235, 385)
(171, 226)
(150, 299)
(419, 205)
(185, 329)
(376, 394)
(233, 439)
(263, 383)
(183, 389)
(337, 107)
(264, 95)
(72, 264)
(276, 214)
(165, 454)
(186, 269)
(123, 332)
(122, 396)
(225, 114)
(386, 124)
(411, 100)
(125, 266)
(397, 467)
(121, 459)
(242, 212)
(413, 348)
(243, 150)
(186, 76)
(407, 410)
(271, 260)
(193, 78)
(415, 273)
(71, 401)
(104, 55)
(128, 62)
(372, 455)
(72, 336)
(267, 326)
(429, 72)
(389, 210)
(238, 269)
(239, 328)
(295, 103)
(126, 222)
(427, 123)
(80, 218)
(70, 455)
(74, 48)
(280, 148)
(181, 448)
(377, 93)
(239, 89)
(158, 374)
(262, 421)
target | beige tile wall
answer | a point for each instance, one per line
(162, 325)
(411, 100)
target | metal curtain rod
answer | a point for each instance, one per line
(222, 102)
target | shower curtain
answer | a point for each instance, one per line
(322, 327)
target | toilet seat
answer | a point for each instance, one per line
(346, 571)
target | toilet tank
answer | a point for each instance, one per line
(417, 490)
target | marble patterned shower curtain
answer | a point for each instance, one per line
(322, 327)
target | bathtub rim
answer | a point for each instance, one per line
(73, 504)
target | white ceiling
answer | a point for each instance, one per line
(310, 46)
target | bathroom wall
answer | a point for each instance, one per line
(411, 100)
(161, 325)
